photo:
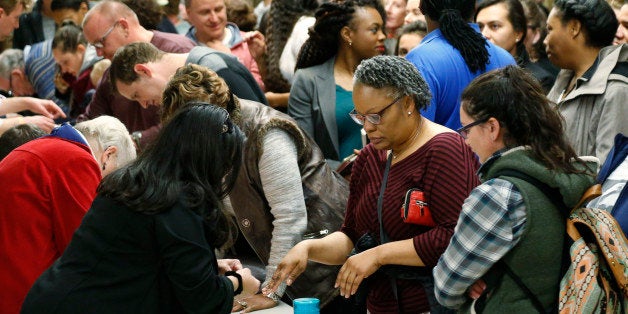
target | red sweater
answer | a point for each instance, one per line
(47, 185)
(445, 169)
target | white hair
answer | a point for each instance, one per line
(11, 59)
(109, 131)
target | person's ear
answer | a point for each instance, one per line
(574, 27)
(495, 128)
(518, 36)
(81, 48)
(124, 24)
(18, 75)
(143, 70)
(408, 104)
(1, 12)
(108, 154)
(345, 33)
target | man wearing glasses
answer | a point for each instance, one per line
(107, 27)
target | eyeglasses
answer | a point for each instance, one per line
(374, 118)
(100, 43)
(464, 131)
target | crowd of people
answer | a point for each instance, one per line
(223, 156)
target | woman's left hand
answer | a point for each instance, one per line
(253, 303)
(355, 269)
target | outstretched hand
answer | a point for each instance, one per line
(290, 267)
(44, 107)
(253, 303)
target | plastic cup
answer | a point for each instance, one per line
(306, 306)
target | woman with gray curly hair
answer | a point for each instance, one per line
(408, 158)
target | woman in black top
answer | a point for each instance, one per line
(147, 243)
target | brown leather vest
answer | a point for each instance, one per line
(325, 193)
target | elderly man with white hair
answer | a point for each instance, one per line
(48, 184)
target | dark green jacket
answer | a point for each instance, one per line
(536, 259)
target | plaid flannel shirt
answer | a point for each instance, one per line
(491, 223)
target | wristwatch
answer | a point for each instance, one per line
(273, 297)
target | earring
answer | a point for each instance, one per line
(104, 165)
(409, 113)
(350, 43)
(517, 39)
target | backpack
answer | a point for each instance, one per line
(595, 258)
(613, 177)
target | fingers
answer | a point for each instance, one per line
(348, 280)
(284, 272)
(235, 264)
(42, 122)
(476, 290)
(253, 303)
(238, 305)
(252, 35)
(55, 110)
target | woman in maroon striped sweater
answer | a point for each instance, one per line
(388, 95)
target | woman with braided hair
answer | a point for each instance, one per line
(283, 21)
(344, 34)
(451, 55)
(591, 88)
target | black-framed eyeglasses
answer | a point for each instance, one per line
(100, 43)
(374, 118)
(464, 131)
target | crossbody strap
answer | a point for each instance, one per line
(383, 237)
(553, 194)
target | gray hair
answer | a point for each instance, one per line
(11, 59)
(396, 74)
(109, 131)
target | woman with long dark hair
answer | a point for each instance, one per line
(147, 243)
(451, 55)
(508, 221)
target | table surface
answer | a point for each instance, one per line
(281, 308)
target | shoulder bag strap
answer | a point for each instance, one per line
(553, 194)
(383, 237)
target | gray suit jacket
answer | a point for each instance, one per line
(312, 104)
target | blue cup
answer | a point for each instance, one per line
(306, 306)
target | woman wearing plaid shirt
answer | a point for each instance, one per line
(510, 125)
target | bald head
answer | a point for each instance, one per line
(110, 25)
